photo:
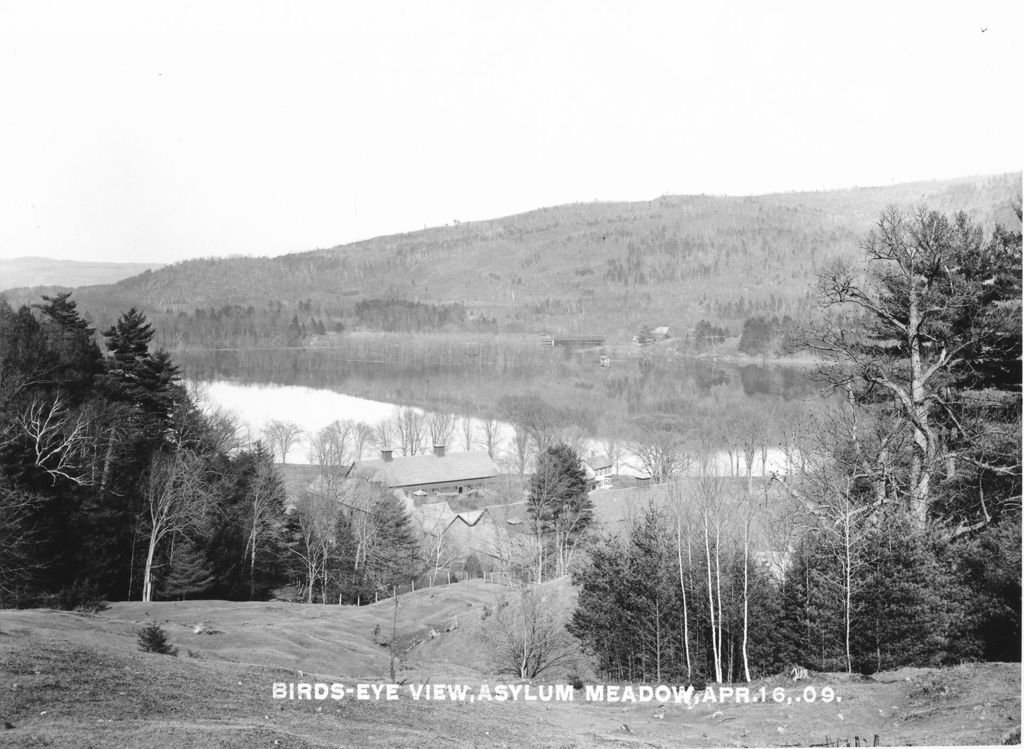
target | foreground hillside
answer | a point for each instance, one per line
(599, 267)
(77, 679)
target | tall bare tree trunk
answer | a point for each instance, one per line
(108, 461)
(131, 566)
(746, 597)
(848, 584)
(711, 602)
(252, 562)
(920, 468)
(718, 580)
(682, 587)
(394, 633)
(540, 556)
(147, 581)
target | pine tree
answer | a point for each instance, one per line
(191, 573)
(394, 557)
(71, 339)
(559, 504)
(600, 620)
(906, 622)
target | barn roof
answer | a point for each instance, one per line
(296, 478)
(513, 517)
(598, 462)
(413, 470)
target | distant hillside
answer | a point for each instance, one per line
(44, 271)
(601, 268)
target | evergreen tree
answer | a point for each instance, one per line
(987, 570)
(630, 609)
(70, 338)
(248, 493)
(79, 435)
(559, 504)
(394, 558)
(937, 300)
(600, 621)
(905, 620)
(190, 574)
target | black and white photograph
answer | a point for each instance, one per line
(451, 373)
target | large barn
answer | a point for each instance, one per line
(438, 472)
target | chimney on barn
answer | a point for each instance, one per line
(439, 451)
(385, 455)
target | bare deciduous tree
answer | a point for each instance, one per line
(659, 444)
(362, 440)
(317, 516)
(17, 561)
(529, 636)
(59, 441)
(711, 503)
(532, 419)
(468, 432)
(330, 450)
(491, 429)
(437, 550)
(176, 496)
(517, 555)
(384, 435)
(840, 454)
(614, 448)
(223, 427)
(441, 426)
(408, 425)
(680, 507)
(281, 436)
(264, 496)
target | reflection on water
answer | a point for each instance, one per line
(446, 379)
(311, 409)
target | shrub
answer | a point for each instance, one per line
(528, 637)
(153, 639)
(81, 596)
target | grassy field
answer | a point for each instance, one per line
(75, 679)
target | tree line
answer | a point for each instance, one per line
(113, 482)
(899, 540)
(117, 483)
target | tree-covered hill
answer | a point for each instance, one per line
(596, 268)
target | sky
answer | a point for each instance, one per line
(160, 131)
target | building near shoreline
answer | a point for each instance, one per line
(439, 472)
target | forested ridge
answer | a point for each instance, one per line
(603, 268)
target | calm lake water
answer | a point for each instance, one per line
(254, 405)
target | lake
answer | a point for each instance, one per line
(311, 409)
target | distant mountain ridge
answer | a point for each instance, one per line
(586, 267)
(44, 271)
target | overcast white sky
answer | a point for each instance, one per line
(162, 131)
